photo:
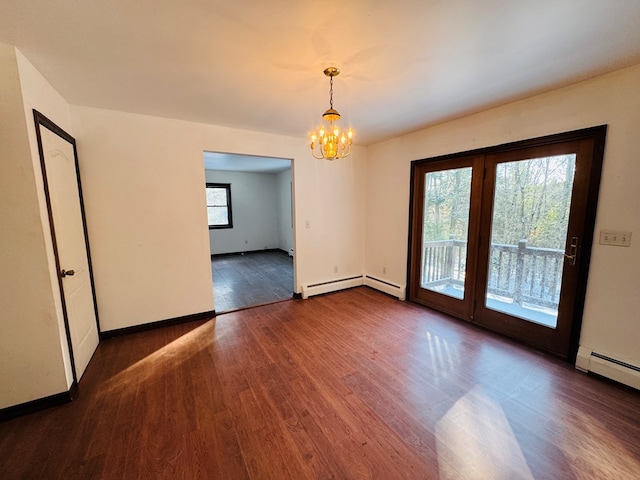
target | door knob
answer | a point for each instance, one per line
(65, 273)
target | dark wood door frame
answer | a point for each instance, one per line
(462, 309)
(42, 121)
(598, 135)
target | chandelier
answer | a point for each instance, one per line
(331, 143)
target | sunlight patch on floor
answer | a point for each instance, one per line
(475, 441)
(444, 357)
(177, 351)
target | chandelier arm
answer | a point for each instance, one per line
(322, 154)
(345, 154)
(313, 152)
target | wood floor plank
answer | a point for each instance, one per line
(348, 385)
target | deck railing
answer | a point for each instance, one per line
(525, 274)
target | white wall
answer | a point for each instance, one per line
(34, 360)
(38, 94)
(143, 182)
(255, 210)
(610, 323)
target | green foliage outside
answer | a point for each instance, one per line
(446, 204)
(531, 202)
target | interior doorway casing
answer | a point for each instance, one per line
(465, 310)
(237, 163)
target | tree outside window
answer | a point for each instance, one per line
(219, 205)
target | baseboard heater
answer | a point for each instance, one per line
(331, 286)
(590, 361)
(386, 287)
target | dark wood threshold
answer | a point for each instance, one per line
(159, 324)
(293, 297)
(39, 404)
(249, 252)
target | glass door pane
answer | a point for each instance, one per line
(528, 236)
(445, 231)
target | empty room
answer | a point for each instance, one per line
(458, 212)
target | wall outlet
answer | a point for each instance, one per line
(384, 269)
(615, 237)
(335, 269)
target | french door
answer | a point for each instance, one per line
(502, 237)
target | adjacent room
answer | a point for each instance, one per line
(250, 219)
(449, 186)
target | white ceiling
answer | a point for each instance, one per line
(244, 163)
(257, 64)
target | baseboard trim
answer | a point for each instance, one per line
(331, 286)
(386, 287)
(158, 324)
(605, 366)
(38, 404)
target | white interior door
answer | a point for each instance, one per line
(59, 162)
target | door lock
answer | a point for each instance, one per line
(573, 251)
(67, 273)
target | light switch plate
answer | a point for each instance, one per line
(615, 237)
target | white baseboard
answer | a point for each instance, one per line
(386, 287)
(625, 373)
(331, 286)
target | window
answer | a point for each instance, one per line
(219, 205)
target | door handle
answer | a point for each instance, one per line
(573, 251)
(67, 273)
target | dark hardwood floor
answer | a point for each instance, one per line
(348, 385)
(255, 278)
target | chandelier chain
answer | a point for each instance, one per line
(331, 92)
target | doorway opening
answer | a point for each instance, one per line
(250, 215)
(501, 237)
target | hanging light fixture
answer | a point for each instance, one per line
(330, 142)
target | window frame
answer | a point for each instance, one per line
(227, 187)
